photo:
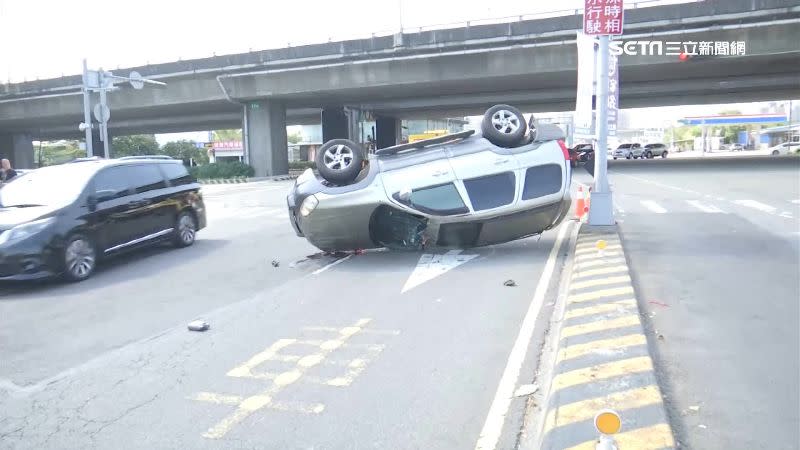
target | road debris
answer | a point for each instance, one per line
(654, 302)
(510, 283)
(275, 263)
(702, 426)
(660, 337)
(199, 325)
(526, 389)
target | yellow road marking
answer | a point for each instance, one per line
(584, 410)
(599, 282)
(251, 404)
(583, 244)
(653, 437)
(245, 370)
(599, 262)
(600, 325)
(595, 295)
(620, 305)
(593, 250)
(602, 271)
(602, 371)
(601, 346)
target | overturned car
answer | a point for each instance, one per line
(461, 190)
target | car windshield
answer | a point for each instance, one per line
(625, 146)
(51, 186)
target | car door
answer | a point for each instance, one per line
(157, 207)
(487, 175)
(112, 215)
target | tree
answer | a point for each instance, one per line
(227, 135)
(187, 151)
(49, 153)
(294, 138)
(135, 145)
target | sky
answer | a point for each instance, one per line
(49, 38)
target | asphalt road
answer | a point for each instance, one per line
(379, 350)
(714, 249)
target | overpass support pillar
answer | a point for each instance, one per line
(335, 124)
(17, 148)
(387, 131)
(265, 138)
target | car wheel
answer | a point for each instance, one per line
(664, 155)
(628, 157)
(615, 157)
(649, 155)
(504, 126)
(339, 161)
(80, 258)
(775, 153)
(185, 230)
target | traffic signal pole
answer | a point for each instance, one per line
(601, 211)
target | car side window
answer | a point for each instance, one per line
(177, 174)
(439, 200)
(145, 177)
(111, 183)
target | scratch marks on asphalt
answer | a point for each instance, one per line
(308, 355)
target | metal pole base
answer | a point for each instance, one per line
(601, 209)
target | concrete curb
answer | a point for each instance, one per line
(601, 358)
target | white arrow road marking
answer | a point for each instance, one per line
(756, 205)
(431, 266)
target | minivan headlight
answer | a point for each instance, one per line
(25, 230)
(308, 205)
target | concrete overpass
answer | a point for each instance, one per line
(457, 71)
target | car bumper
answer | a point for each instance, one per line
(26, 261)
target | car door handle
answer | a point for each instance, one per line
(497, 162)
(440, 173)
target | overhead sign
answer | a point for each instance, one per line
(603, 17)
(583, 99)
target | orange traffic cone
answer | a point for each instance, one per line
(588, 199)
(580, 205)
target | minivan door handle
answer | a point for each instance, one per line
(500, 161)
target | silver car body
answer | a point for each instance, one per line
(468, 192)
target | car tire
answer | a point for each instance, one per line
(504, 126)
(775, 153)
(339, 161)
(628, 157)
(185, 231)
(79, 258)
(664, 155)
(649, 155)
(615, 157)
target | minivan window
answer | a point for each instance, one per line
(176, 174)
(145, 177)
(112, 183)
(51, 186)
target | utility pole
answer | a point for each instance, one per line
(87, 106)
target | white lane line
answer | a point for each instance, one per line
(653, 206)
(492, 428)
(796, 202)
(338, 261)
(704, 207)
(756, 205)
(786, 215)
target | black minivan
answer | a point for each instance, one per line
(60, 220)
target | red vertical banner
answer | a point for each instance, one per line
(603, 17)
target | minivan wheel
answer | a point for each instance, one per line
(185, 230)
(80, 258)
(339, 161)
(664, 155)
(504, 126)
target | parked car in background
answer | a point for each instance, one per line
(462, 190)
(652, 150)
(787, 148)
(61, 220)
(584, 152)
(628, 151)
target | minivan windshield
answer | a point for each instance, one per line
(48, 186)
(625, 146)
